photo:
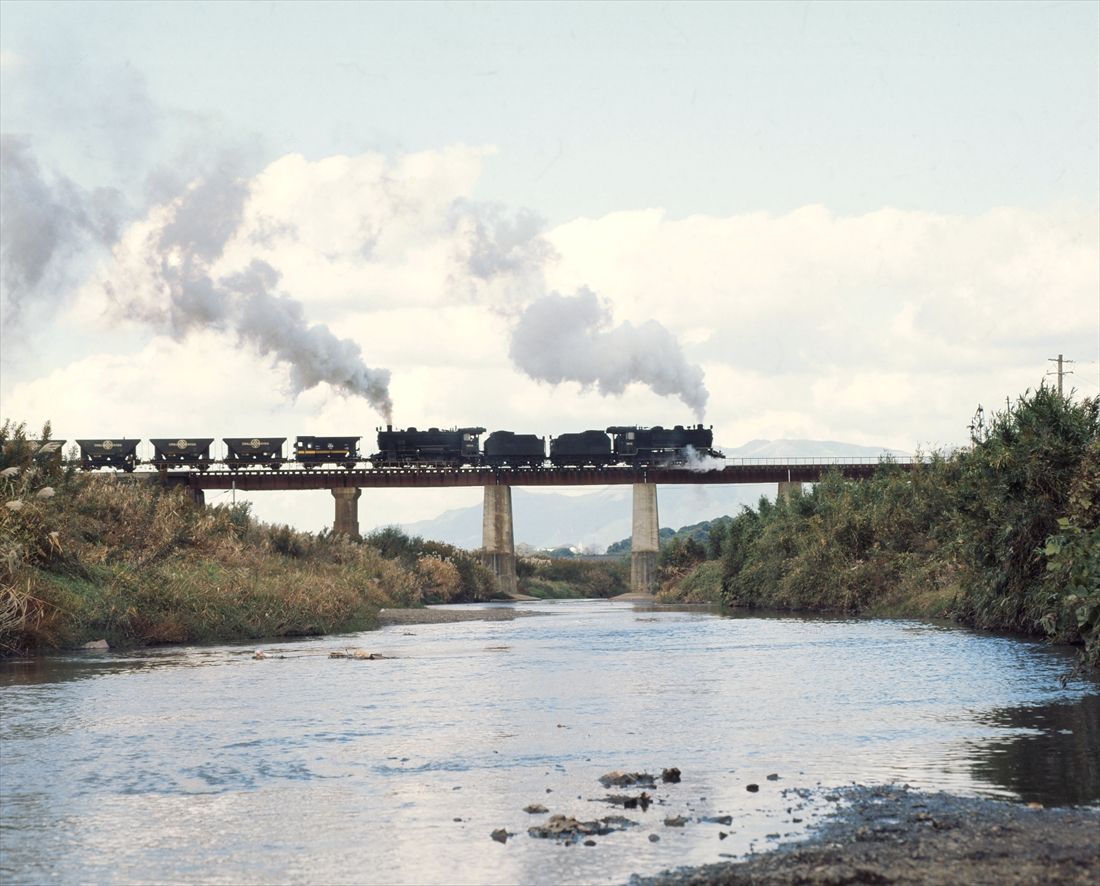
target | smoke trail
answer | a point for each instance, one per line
(45, 222)
(700, 463)
(275, 324)
(555, 338)
(180, 250)
(569, 338)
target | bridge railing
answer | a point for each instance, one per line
(824, 460)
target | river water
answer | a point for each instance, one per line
(201, 764)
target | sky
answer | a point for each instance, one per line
(833, 221)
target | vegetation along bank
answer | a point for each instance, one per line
(88, 557)
(1003, 534)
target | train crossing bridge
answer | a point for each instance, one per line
(498, 538)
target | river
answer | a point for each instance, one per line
(203, 764)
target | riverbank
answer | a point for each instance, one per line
(895, 835)
(1001, 535)
(91, 557)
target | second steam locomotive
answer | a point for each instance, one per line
(411, 448)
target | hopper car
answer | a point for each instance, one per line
(254, 452)
(108, 453)
(181, 453)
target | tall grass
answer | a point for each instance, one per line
(1004, 534)
(95, 557)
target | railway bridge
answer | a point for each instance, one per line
(498, 538)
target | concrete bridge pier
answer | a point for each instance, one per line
(347, 511)
(645, 543)
(789, 488)
(498, 540)
(198, 496)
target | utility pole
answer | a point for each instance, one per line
(1060, 371)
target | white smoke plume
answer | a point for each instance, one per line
(562, 338)
(558, 338)
(701, 463)
(46, 221)
(177, 256)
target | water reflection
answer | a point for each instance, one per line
(1050, 754)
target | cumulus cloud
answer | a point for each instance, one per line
(810, 291)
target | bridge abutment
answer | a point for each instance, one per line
(347, 511)
(498, 540)
(645, 541)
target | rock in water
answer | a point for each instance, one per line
(96, 644)
(535, 809)
(672, 776)
(570, 830)
(752, 788)
(500, 835)
(628, 779)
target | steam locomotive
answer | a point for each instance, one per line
(633, 446)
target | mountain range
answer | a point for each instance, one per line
(593, 520)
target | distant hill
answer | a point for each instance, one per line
(699, 532)
(806, 449)
(603, 516)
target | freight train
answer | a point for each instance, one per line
(632, 446)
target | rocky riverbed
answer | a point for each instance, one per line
(896, 835)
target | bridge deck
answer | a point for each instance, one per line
(799, 472)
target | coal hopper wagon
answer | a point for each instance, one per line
(253, 452)
(181, 453)
(119, 455)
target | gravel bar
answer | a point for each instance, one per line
(895, 835)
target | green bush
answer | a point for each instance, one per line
(1000, 535)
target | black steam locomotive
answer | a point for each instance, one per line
(454, 448)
